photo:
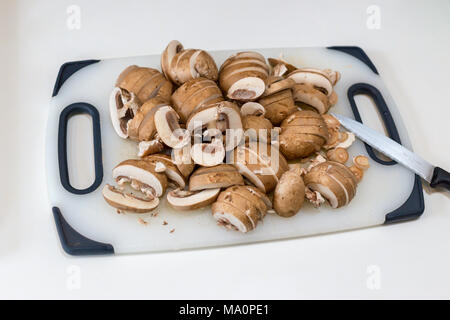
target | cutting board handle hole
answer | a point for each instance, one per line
(80, 148)
(372, 118)
(80, 151)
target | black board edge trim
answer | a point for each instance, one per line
(358, 53)
(67, 70)
(412, 208)
(74, 243)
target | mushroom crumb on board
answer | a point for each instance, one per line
(180, 120)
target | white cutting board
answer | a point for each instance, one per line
(383, 189)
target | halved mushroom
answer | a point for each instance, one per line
(242, 76)
(123, 106)
(182, 65)
(194, 94)
(220, 176)
(278, 106)
(314, 98)
(314, 78)
(303, 133)
(145, 83)
(190, 200)
(334, 181)
(164, 164)
(127, 201)
(289, 193)
(168, 128)
(208, 154)
(223, 116)
(252, 109)
(261, 164)
(240, 208)
(142, 126)
(142, 176)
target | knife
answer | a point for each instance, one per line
(437, 177)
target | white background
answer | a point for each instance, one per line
(411, 51)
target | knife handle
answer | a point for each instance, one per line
(441, 178)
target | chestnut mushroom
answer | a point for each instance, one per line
(168, 128)
(334, 181)
(278, 106)
(194, 94)
(289, 193)
(261, 164)
(302, 134)
(242, 76)
(240, 208)
(181, 65)
(220, 176)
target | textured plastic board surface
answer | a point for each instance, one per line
(383, 189)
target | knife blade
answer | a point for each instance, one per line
(434, 175)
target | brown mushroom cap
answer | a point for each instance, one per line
(314, 98)
(256, 128)
(334, 181)
(289, 194)
(239, 208)
(220, 176)
(242, 76)
(278, 106)
(313, 78)
(145, 83)
(303, 133)
(181, 65)
(194, 94)
(261, 167)
(142, 126)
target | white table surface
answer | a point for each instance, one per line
(411, 50)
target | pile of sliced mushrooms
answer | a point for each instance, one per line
(196, 128)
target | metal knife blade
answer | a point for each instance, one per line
(388, 147)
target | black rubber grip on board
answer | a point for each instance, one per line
(358, 53)
(67, 70)
(414, 205)
(69, 111)
(75, 244)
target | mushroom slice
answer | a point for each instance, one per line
(239, 208)
(150, 147)
(313, 77)
(334, 181)
(278, 106)
(252, 109)
(123, 105)
(220, 176)
(242, 76)
(277, 84)
(171, 50)
(311, 96)
(334, 76)
(164, 163)
(257, 128)
(223, 116)
(143, 176)
(128, 202)
(142, 126)
(208, 154)
(247, 88)
(189, 200)
(168, 128)
(182, 159)
(275, 63)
